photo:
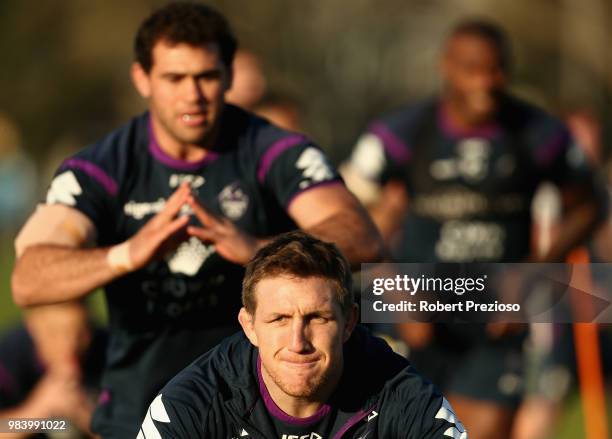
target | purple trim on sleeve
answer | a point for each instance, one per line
(485, 131)
(95, 172)
(7, 382)
(274, 151)
(278, 413)
(397, 149)
(547, 153)
(315, 185)
(352, 421)
(182, 165)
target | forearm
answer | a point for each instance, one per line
(50, 273)
(575, 228)
(354, 234)
(389, 210)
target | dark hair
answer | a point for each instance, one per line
(190, 23)
(298, 254)
(489, 31)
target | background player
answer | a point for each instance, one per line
(466, 165)
(303, 369)
(118, 213)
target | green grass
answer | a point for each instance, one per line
(571, 422)
(9, 312)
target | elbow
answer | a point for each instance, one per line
(22, 289)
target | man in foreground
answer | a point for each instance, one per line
(164, 211)
(301, 369)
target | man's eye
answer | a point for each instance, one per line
(210, 76)
(319, 319)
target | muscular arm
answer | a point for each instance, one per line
(48, 273)
(333, 214)
(53, 266)
(387, 204)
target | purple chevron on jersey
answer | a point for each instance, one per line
(274, 151)
(397, 149)
(182, 165)
(95, 172)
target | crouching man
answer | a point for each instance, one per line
(302, 368)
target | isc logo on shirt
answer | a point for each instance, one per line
(306, 436)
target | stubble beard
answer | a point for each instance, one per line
(311, 388)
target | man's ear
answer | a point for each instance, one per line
(246, 321)
(351, 322)
(141, 80)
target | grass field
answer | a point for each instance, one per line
(9, 313)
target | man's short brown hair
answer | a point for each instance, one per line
(184, 22)
(297, 254)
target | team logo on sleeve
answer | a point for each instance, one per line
(314, 167)
(446, 412)
(233, 201)
(63, 190)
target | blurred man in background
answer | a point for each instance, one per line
(248, 82)
(281, 111)
(451, 180)
(52, 365)
(165, 211)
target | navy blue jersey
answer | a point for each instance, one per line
(221, 395)
(166, 314)
(470, 191)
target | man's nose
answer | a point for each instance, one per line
(299, 336)
(193, 90)
(486, 81)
